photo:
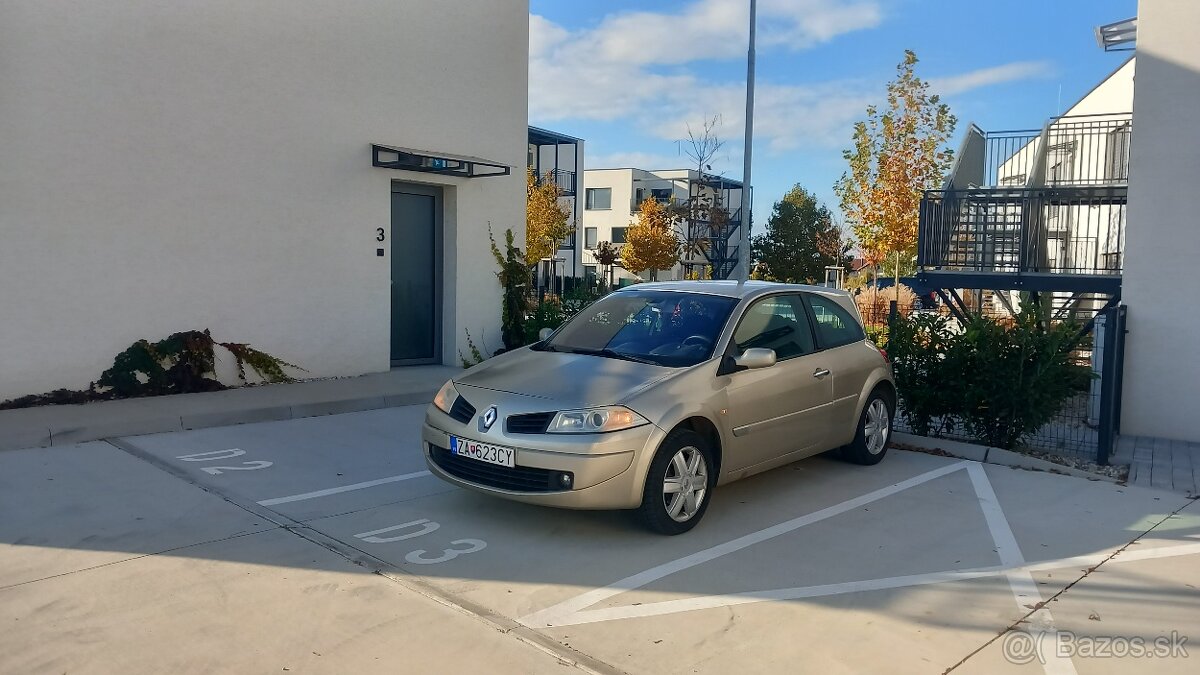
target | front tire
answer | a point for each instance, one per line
(874, 431)
(679, 484)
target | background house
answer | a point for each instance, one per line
(558, 157)
(612, 198)
(312, 179)
(1089, 215)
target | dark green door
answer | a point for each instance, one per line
(416, 274)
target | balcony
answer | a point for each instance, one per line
(561, 177)
(1033, 210)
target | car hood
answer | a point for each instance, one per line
(569, 380)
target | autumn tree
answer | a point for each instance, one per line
(801, 239)
(606, 255)
(546, 226)
(703, 217)
(899, 152)
(651, 242)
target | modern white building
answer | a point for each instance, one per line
(1162, 367)
(612, 198)
(314, 179)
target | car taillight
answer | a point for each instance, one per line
(883, 353)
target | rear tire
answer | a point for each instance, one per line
(874, 431)
(679, 484)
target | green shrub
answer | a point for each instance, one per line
(548, 314)
(514, 278)
(1001, 379)
(180, 363)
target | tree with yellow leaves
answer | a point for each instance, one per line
(546, 226)
(651, 242)
(898, 153)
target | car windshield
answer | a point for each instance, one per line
(666, 328)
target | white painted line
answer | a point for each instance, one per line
(573, 611)
(345, 488)
(1128, 555)
(1024, 587)
(727, 600)
(558, 614)
(715, 601)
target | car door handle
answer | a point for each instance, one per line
(820, 372)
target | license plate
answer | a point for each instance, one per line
(483, 452)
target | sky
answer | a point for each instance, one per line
(629, 76)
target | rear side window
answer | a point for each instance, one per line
(835, 326)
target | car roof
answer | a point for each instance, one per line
(732, 288)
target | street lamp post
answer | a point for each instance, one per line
(744, 249)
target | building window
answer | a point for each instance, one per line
(618, 235)
(599, 199)
(661, 195)
(590, 235)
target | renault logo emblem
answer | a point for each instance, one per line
(488, 418)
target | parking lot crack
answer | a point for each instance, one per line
(122, 561)
(1024, 619)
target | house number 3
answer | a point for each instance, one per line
(379, 235)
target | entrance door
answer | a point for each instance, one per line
(416, 274)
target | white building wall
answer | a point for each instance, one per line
(619, 215)
(1162, 368)
(170, 166)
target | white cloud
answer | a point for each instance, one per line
(1009, 72)
(641, 68)
(636, 159)
(607, 72)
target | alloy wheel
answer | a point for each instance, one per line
(685, 484)
(875, 427)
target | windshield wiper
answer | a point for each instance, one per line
(613, 354)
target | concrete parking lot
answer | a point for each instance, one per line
(323, 545)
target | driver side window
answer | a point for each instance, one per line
(778, 322)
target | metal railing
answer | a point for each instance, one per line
(1011, 230)
(1071, 150)
(1033, 201)
(561, 177)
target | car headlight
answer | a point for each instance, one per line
(595, 420)
(445, 397)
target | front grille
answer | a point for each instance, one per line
(462, 410)
(517, 479)
(530, 423)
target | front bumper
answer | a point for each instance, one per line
(608, 469)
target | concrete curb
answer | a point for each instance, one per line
(50, 426)
(989, 455)
(68, 435)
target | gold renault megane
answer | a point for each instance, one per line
(655, 394)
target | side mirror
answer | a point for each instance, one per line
(755, 357)
(545, 333)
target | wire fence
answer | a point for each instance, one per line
(1074, 431)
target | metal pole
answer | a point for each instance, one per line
(744, 248)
